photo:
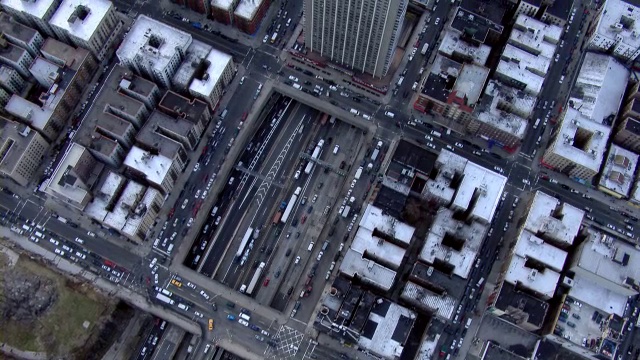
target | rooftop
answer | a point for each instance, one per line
(517, 64)
(195, 54)
(610, 259)
(528, 245)
(536, 36)
(493, 351)
(387, 329)
(550, 219)
(15, 137)
(594, 97)
(73, 57)
(377, 249)
(476, 26)
(518, 303)
(161, 133)
(11, 52)
(63, 180)
(222, 4)
(618, 172)
(442, 306)
(36, 8)
(620, 22)
(177, 105)
(560, 9)
(154, 167)
(580, 140)
(246, 9)
(454, 46)
(498, 97)
(374, 219)
(594, 294)
(540, 280)
(453, 242)
(367, 270)
(441, 79)
(81, 18)
(213, 67)
(153, 42)
(9, 26)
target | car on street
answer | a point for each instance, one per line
(459, 145)
(205, 295)
(184, 203)
(59, 252)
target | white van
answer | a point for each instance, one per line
(79, 241)
(293, 78)
(389, 114)
(243, 288)
(466, 326)
(39, 234)
(354, 112)
(169, 249)
(183, 307)
(224, 114)
(310, 246)
(245, 316)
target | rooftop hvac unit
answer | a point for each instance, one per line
(567, 281)
(533, 274)
(430, 271)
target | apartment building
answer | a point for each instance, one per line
(21, 151)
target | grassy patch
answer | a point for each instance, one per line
(60, 329)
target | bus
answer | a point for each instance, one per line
(255, 279)
(274, 37)
(243, 243)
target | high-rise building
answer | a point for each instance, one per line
(359, 34)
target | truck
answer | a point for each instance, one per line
(255, 278)
(425, 47)
(400, 81)
(374, 155)
(197, 25)
(276, 217)
(358, 173)
(346, 210)
(62, 220)
(243, 242)
(535, 126)
(316, 153)
(165, 299)
(274, 37)
(292, 203)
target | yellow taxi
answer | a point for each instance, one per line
(210, 324)
(176, 283)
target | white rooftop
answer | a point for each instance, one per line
(70, 159)
(24, 109)
(619, 168)
(601, 84)
(609, 259)
(543, 282)
(373, 218)
(197, 51)
(480, 187)
(620, 23)
(443, 306)
(382, 342)
(37, 8)
(540, 220)
(247, 8)
(470, 82)
(536, 35)
(529, 245)
(495, 115)
(69, 17)
(368, 270)
(517, 64)
(445, 228)
(44, 69)
(218, 61)
(452, 43)
(166, 39)
(377, 248)
(118, 216)
(155, 167)
(592, 293)
(592, 142)
(222, 4)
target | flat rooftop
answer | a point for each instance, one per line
(192, 110)
(453, 242)
(452, 45)
(367, 270)
(36, 8)
(620, 22)
(548, 218)
(581, 140)
(442, 77)
(619, 169)
(542, 281)
(15, 137)
(441, 306)
(12, 53)
(599, 88)
(223, 4)
(196, 52)
(158, 131)
(490, 109)
(592, 293)
(387, 329)
(154, 167)
(10, 27)
(63, 181)
(477, 26)
(516, 64)
(216, 61)
(81, 18)
(73, 57)
(513, 301)
(528, 245)
(374, 219)
(471, 82)
(536, 35)
(377, 248)
(247, 9)
(153, 42)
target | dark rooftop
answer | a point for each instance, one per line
(635, 105)
(560, 9)
(175, 104)
(442, 79)
(403, 327)
(437, 282)
(495, 352)
(11, 52)
(549, 350)
(14, 29)
(414, 156)
(362, 311)
(73, 57)
(534, 309)
(492, 10)
(390, 201)
(155, 134)
(633, 126)
(474, 26)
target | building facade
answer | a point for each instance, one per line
(21, 151)
(359, 35)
